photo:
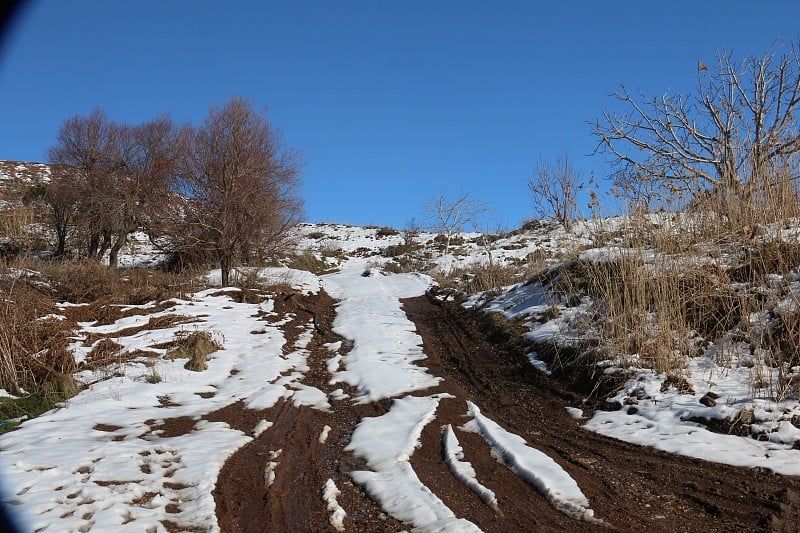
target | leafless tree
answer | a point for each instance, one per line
(62, 205)
(739, 125)
(449, 215)
(119, 174)
(149, 155)
(241, 185)
(489, 225)
(411, 232)
(87, 144)
(554, 189)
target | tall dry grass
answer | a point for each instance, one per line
(34, 334)
(677, 281)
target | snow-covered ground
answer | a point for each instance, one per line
(100, 463)
(728, 384)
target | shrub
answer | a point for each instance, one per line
(33, 350)
(308, 261)
(195, 346)
(386, 232)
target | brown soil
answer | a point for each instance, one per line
(630, 488)
(294, 500)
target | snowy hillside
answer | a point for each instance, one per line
(346, 399)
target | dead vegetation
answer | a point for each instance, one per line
(195, 346)
(35, 331)
(672, 284)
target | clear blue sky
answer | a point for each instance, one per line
(390, 101)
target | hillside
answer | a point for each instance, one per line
(373, 382)
(16, 176)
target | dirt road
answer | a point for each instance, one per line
(630, 488)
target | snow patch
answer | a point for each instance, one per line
(535, 467)
(323, 436)
(386, 347)
(329, 494)
(462, 470)
(261, 427)
(387, 442)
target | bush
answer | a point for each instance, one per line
(33, 351)
(386, 232)
(481, 277)
(195, 346)
(309, 262)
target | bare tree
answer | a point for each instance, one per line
(149, 155)
(62, 206)
(119, 173)
(241, 186)
(489, 225)
(411, 232)
(88, 145)
(738, 126)
(554, 189)
(449, 215)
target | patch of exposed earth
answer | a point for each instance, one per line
(275, 482)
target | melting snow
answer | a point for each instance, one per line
(535, 467)
(387, 443)
(462, 470)
(383, 360)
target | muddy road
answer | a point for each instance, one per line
(275, 482)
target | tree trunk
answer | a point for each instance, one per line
(224, 265)
(93, 245)
(61, 243)
(113, 256)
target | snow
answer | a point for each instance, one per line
(269, 469)
(117, 478)
(386, 348)
(462, 470)
(387, 443)
(78, 477)
(261, 427)
(323, 436)
(302, 280)
(329, 494)
(535, 467)
(663, 419)
(575, 413)
(746, 385)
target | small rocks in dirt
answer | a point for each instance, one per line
(709, 399)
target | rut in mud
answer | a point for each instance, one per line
(304, 454)
(630, 488)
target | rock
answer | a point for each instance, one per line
(710, 399)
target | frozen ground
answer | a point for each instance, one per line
(101, 462)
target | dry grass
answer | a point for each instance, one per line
(34, 354)
(483, 277)
(309, 262)
(16, 230)
(674, 283)
(196, 346)
(33, 349)
(89, 281)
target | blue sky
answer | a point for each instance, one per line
(391, 102)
